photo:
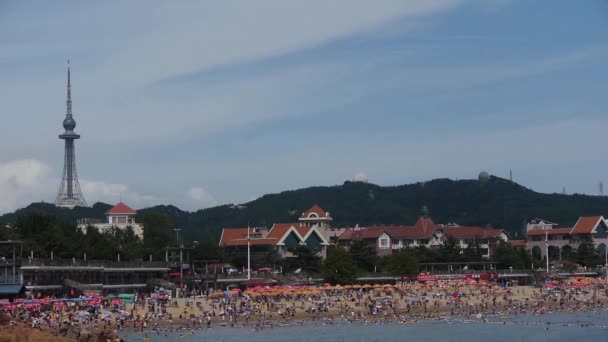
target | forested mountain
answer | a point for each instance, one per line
(496, 201)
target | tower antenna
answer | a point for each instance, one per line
(69, 194)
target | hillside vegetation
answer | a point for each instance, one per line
(498, 202)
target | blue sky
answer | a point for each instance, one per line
(203, 103)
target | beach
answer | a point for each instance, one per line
(262, 308)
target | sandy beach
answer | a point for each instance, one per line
(264, 307)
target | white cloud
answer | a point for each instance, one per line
(23, 182)
(201, 198)
(99, 191)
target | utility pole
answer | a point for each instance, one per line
(547, 249)
(606, 261)
(181, 265)
(248, 253)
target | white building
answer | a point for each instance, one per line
(120, 216)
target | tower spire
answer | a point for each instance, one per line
(69, 194)
(68, 112)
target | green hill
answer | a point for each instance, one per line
(498, 202)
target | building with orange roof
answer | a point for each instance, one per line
(543, 236)
(315, 216)
(311, 230)
(425, 232)
(119, 216)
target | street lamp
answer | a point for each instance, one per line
(177, 235)
(181, 264)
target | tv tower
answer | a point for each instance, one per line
(69, 195)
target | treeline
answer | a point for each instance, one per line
(499, 202)
(44, 234)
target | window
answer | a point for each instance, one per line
(383, 243)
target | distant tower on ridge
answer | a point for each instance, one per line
(69, 195)
(601, 188)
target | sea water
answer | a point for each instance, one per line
(591, 326)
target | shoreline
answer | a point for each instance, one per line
(267, 308)
(477, 307)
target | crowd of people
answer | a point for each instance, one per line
(260, 308)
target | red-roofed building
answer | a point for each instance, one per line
(425, 232)
(315, 216)
(518, 243)
(120, 216)
(311, 231)
(546, 237)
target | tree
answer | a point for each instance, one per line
(338, 267)
(157, 233)
(425, 254)
(305, 259)
(450, 250)
(506, 256)
(403, 263)
(473, 250)
(130, 246)
(586, 254)
(363, 255)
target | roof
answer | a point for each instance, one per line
(472, 232)
(544, 221)
(238, 237)
(586, 224)
(278, 230)
(315, 209)
(426, 225)
(10, 289)
(518, 243)
(121, 208)
(363, 233)
(554, 231)
(229, 234)
(423, 229)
